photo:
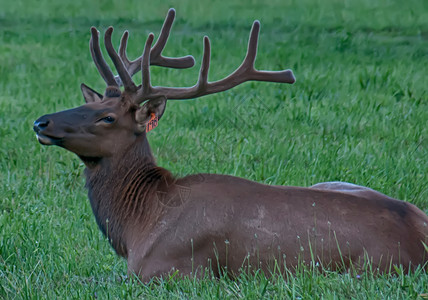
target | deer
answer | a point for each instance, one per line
(161, 223)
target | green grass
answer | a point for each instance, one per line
(358, 113)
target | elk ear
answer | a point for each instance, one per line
(145, 113)
(89, 94)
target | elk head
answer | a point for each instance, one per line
(108, 124)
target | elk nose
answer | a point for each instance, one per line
(40, 125)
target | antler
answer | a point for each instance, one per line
(121, 61)
(156, 57)
(245, 72)
(152, 56)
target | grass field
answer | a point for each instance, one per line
(358, 113)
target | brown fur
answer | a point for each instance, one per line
(161, 223)
(123, 193)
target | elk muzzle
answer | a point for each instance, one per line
(40, 127)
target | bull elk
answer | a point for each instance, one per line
(219, 221)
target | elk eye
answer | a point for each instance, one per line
(108, 119)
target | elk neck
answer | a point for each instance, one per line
(122, 190)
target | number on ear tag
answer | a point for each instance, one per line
(153, 123)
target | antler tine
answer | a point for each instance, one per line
(285, 76)
(156, 53)
(156, 57)
(146, 86)
(132, 66)
(253, 42)
(246, 70)
(100, 63)
(205, 65)
(122, 49)
(120, 67)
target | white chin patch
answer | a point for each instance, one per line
(44, 139)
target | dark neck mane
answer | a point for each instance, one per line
(122, 191)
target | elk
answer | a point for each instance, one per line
(161, 223)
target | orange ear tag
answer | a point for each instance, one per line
(153, 123)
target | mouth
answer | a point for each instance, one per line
(48, 140)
